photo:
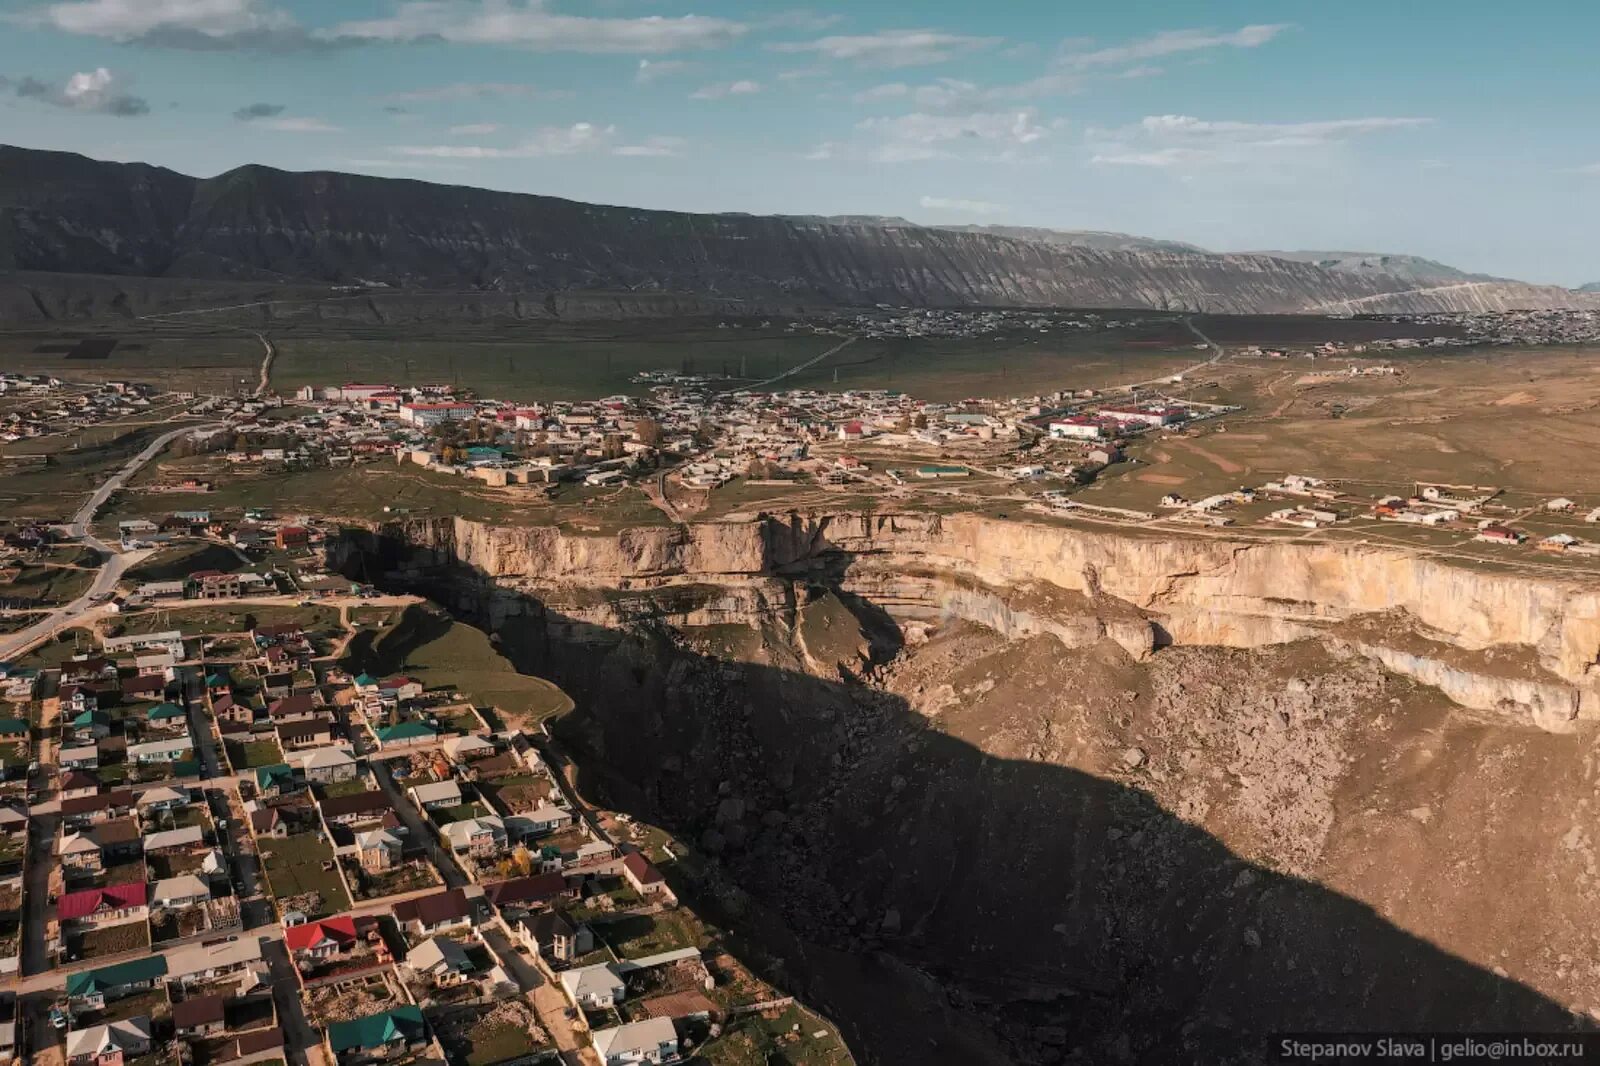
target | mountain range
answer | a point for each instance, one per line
(65, 218)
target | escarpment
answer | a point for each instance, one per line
(1517, 646)
(997, 792)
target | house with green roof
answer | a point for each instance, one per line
(406, 733)
(93, 989)
(165, 713)
(275, 780)
(13, 727)
(95, 723)
(378, 1036)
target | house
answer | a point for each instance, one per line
(551, 934)
(144, 687)
(175, 892)
(298, 736)
(478, 837)
(642, 874)
(546, 818)
(1498, 534)
(77, 784)
(399, 688)
(594, 987)
(162, 798)
(355, 808)
(299, 708)
(184, 838)
(111, 1044)
(275, 780)
(378, 1036)
(328, 765)
(167, 716)
(80, 852)
(96, 807)
(93, 989)
(467, 748)
(111, 905)
(321, 940)
(288, 537)
(268, 822)
(438, 913)
(651, 1041)
(175, 749)
(438, 794)
(90, 722)
(405, 734)
(378, 850)
(208, 961)
(441, 960)
(200, 1016)
(529, 893)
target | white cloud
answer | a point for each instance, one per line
(732, 88)
(825, 150)
(963, 207)
(192, 24)
(1181, 140)
(653, 70)
(1588, 168)
(298, 125)
(474, 129)
(891, 48)
(95, 91)
(548, 141)
(988, 135)
(653, 147)
(531, 24)
(472, 90)
(401, 164)
(1169, 42)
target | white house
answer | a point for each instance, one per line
(594, 986)
(161, 750)
(184, 891)
(113, 1042)
(187, 836)
(440, 959)
(651, 1040)
(437, 794)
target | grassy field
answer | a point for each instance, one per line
(180, 560)
(639, 935)
(176, 358)
(252, 754)
(442, 653)
(294, 866)
(77, 464)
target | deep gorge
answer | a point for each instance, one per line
(991, 791)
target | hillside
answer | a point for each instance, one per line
(1411, 267)
(66, 214)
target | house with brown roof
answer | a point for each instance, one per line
(355, 808)
(438, 913)
(199, 1016)
(642, 874)
(301, 736)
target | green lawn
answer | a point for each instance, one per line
(442, 653)
(254, 753)
(294, 866)
(494, 1042)
(638, 935)
(443, 816)
(344, 788)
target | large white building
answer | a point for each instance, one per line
(432, 414)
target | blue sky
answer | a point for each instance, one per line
(1459, 130)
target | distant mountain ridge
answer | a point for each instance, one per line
(65, 214)
(1413, 267)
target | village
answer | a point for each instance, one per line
(223, 844)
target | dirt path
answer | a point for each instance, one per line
(267, 359)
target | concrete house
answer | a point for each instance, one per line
(93, 989)
(320, 940)
(162, 798)
(437, 794)
(551, 934)
(378, 1037)
(109, 1045)
(175, 892)
(112, 905)
(328, 765)
(82, 757)
(478, 837)
(171, 749)
(355, 808)
(379, 850)
(594, 987)
(200, 1016)
(652, 1041)
(301, 736)
(438, 913)
(440, 960)
(184, 838)
(206, 962)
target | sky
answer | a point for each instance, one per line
(1460, 130)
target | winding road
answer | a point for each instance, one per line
(113, 564)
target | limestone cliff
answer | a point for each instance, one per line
(1519, 646)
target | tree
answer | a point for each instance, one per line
(921, 421)
(611, 447)
(648, 430)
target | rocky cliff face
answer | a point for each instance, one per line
(1010, 793)
(65, 213)
(1518, 646)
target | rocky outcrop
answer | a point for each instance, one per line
(66, 214)
(1519, 646)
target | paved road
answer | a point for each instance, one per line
(113, 564)
(418, 830)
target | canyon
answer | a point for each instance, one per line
(993, 790)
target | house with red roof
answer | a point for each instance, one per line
(111, 905)
(317, 941)
(642, 874)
